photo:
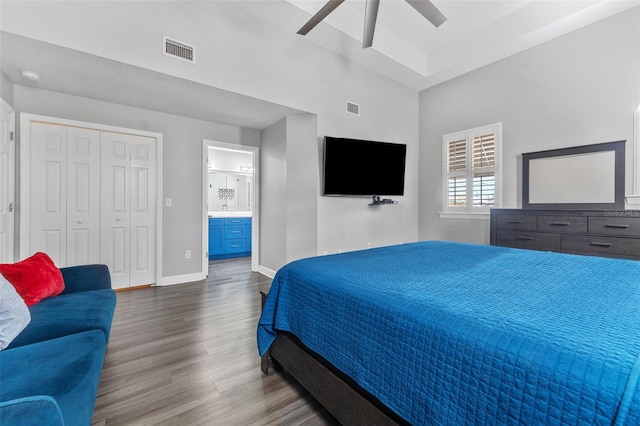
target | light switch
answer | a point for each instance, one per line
(168, 202)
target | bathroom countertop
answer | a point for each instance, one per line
(230, 213)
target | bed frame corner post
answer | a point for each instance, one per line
(265, 360)
(266, 363)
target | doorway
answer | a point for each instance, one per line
(230, 202)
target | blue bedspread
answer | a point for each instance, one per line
(459, 334)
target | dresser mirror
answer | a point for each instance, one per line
(581, 177)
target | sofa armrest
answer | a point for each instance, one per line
(38, 410)
(85, 278)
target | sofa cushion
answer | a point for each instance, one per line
(38, 410)
(14, 314)
(67, 314)
(85, 278)
(66, 369)
(35, 278)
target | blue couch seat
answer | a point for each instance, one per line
(67, 314)
(63, 372)
(50, 372)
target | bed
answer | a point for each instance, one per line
(442, 333)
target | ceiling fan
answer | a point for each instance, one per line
(424, 7)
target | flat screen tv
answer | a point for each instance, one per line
(360, 167)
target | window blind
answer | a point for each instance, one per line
(484, 170)
(457, 171)
(470, 169)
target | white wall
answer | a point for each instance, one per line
(273, 195)
(581, 88)
(240, 52)
(6, 89)
(289, 191)
(302, 186)
(182, 167)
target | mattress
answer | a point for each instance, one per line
(448, 333)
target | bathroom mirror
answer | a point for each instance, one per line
(229, 191)
(582, 177)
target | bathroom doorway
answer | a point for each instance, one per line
(230, 202)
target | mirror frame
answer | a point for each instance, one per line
(618, 147)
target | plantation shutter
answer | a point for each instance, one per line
(471, 169)
(484, 170)
(457, 173)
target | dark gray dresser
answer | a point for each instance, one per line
(613, 233)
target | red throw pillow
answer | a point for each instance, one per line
(35, 278)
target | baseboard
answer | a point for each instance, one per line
(181, 279)
(189, 278)
(137, 287)
(266, 271)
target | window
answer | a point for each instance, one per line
(470, 170)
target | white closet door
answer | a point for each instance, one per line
(91, 198)
(48, 191)
(83, 196)
(116, 210)
(143, 209)
(6, 186)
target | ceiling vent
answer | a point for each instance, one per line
(353, 108)
(179, 50)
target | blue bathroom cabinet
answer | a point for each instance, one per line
(229, 237)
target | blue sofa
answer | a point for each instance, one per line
(49, 374)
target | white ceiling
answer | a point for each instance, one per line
(476, 33)
(80, 74)
(406, 48)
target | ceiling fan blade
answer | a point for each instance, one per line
(370, 16)
(429, 11)
(319, 16)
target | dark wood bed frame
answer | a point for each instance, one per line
(340, 395)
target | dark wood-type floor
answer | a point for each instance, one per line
(186, 355)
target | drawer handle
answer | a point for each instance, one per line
(235, 245)
(599, 244)
(616, 225)
(235, 232)
(516, 222)
(560, 224)
(522, 237)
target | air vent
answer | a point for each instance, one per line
(179, 50)
(353, 108)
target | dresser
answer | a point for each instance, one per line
(229, 237)
(614, 233)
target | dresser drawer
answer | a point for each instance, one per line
(601, 244)
(615, 226)
(517, 222)
(562, 224)
(529, 240)
(586, 232)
